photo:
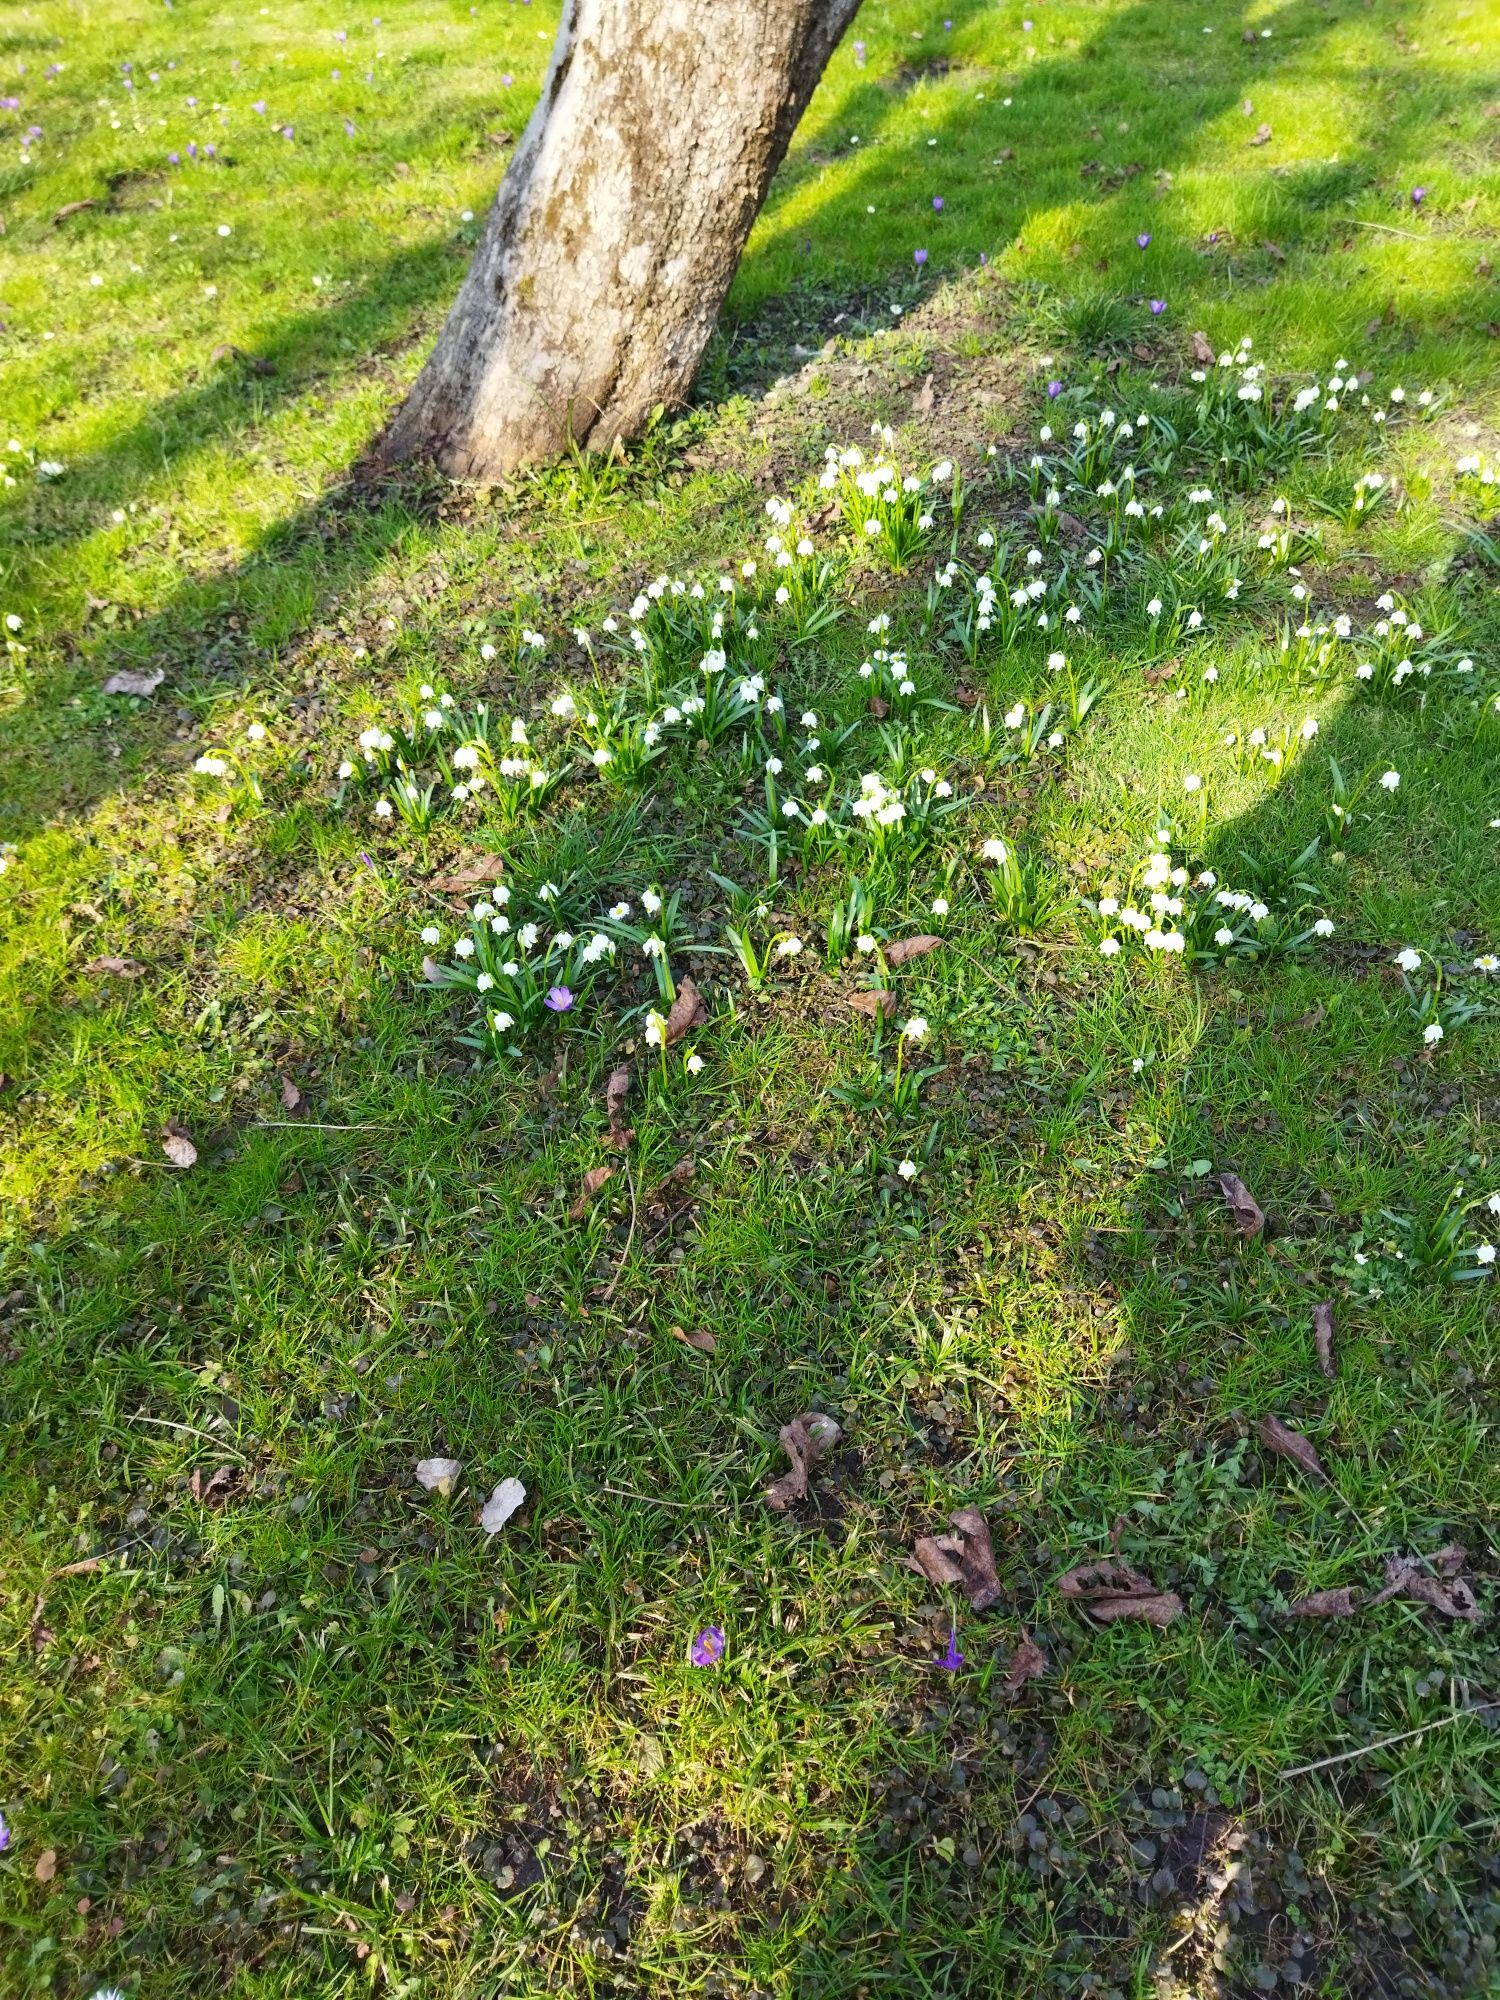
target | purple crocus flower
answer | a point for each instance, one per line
(558, 1000)
(4, 1834)
(349, 128)
(859, 55)
(953, 1659)
(210, 152)
(1143, 239)
(919, 258)
(507, 81)
(192, 103)
(259, 106)
(708, 1648)
(1054, 390)
(192, 150)
(1158, 307)
(368, 862)
(937, 204)
(173, 160)
(1418, 196)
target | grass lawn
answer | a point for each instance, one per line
(1155, 676)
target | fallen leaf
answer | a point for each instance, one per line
(903, 949)
(1413, 1577)
(1203, 350)
(922, 402)
(72, 208)
(46, 1865)
(1340, 1603)
(291, 1096)
(699, 1338)
(129, 682)
(1280, 1437)
(177, 1146)
(1249, 1216)
(1259, 136)
(689, 1010)
(486, 868)
(615, 1093)
(119, 968)
(874, 1000)
(1111, 1590)
(1323, 1337)
(804, 1440)
(438, 1474)
(981, 1583)
(879, 708)
(1273, 249)
(84, 1567)
(1027, 1663)
(206, 1491)
(935, 1557)
(502, 1503)
(1163, 672)
(432, 972)
(593, 1180)
(1313, 1018)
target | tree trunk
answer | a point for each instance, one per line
(618, 226)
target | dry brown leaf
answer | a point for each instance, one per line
(615, 1093)
(46, 1865)
(1273, 249)
(1340, 1603)
(1203, 350)
(1313, 1018)
(1259, 136)
(688, 1011)
(981, 1583)
(1027, 1663)
(804, 1440)
(291, 1096)
(935, 1557)
(72, 208)
(1111, 1590)
(593, 1180)
(1280, 1437)
(874, 1000)
(699, 1338)
(485, 868)
(84, 1567)
(902, 949)
(922, 402)
(1162, 672)
(207, 1491)
(118, 968)
(1249, 1216)
(432, 972)
(127, 681)
(1323, 1337)
(1420, 1579)
(878, 708)
(177, 1146)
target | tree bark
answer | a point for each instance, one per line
(618, 226)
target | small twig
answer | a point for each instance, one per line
(1369, 1749)
(310, 1125)
(138, 1417)
(609, 1289)
(1390, 229)
(650, 1499)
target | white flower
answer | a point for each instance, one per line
(1223, 937)
(464, 948)
(908, 1171)
(789, 947)
(1109, 947)
(1487, 962)
(916, 1029)
(1484, 1253)
(1153, 609)
(940, 906)
(1390, 781)
(995, 850)
(484, 982)
(1432, 1034)
(383, 809)
(1192, 782)
(431, 934)
(1323, 927)
(693, 1065)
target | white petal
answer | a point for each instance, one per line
(501, 1504)
(438, 1474)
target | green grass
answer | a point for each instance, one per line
(273, 1719)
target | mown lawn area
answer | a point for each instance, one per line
(921, 944)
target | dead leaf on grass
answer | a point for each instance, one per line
(215, 1487)
(177, 1146)
(1203, 350)
(878, 708)
(923, 400)
(502, 1503)
(1163, 672)
(804, 1440)
(593, 1180)
(1249, 1216)
(1340, 1603)
(699, 1338)
(615, 1093)
(1027, 1663)
(127, 681)
(85, 1566)
(438, 1474)
(901, 950)
(874, 1000)
(72, 208)
(688, 1011)
(1420, 1579)
(432, 972)
(965, 1559)
(291, 1096)
(1323, 1337)
(1279, 1437)
(1112, 1590)
(1259, 136)
(46, 1865)
(485, 868)
(117, 968)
